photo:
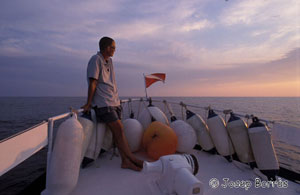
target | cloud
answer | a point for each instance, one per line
(245, 12)
(236, 80)
(12, 47)
(189, 38)
(45, 25)
(207, 41)
(250, 12)
(135, 30)
(273, 71)
(71, 51)
(197, 26)
(277, 18)
(258, 33)
(269, 29)
(66, 76)
(72, 30)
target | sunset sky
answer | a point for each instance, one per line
(206, 47)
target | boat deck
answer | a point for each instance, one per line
(106, 177)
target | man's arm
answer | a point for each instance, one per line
(91, 93)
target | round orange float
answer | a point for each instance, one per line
(159, 140)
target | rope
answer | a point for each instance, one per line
(183, 105)
(185, 112)
(122, 103)
(152, 118)
(168, 107)
(225, 117)
(128, 109)
(129, 105)
(226, 112)
(206, 108)
(207, 112)
(94, 119)
(248, 117)
(131, 110)
(138, 114)
(165, 108)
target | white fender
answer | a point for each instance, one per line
(145, 117)
(201, 130)
(66, 158)
(88, 127)
(108, 139)
(133, 131)
(96, 140)
(238, 132)
(262, 146)
(219, 135)
(186, 136)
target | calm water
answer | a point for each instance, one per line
(20, 113)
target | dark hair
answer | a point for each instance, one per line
(105, 42)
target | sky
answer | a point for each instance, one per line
(205, 47)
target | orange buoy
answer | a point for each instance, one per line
(159, 140)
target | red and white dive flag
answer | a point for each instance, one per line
(152, 78)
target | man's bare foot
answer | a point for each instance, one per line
(127, 164)
(138, 162)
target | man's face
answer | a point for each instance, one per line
(110, 50)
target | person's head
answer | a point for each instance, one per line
(107, 46)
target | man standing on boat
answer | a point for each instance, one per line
(103, 97)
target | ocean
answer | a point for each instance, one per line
(20, 113)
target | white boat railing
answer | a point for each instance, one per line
(17, 148)
(247, 116)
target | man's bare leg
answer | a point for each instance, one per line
(121, 142)
(126, 162)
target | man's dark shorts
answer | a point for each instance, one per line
(108, 114)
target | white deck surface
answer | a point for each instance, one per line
(105, 177)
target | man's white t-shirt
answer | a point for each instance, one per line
(106, 92)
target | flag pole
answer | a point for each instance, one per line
(145, 86)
